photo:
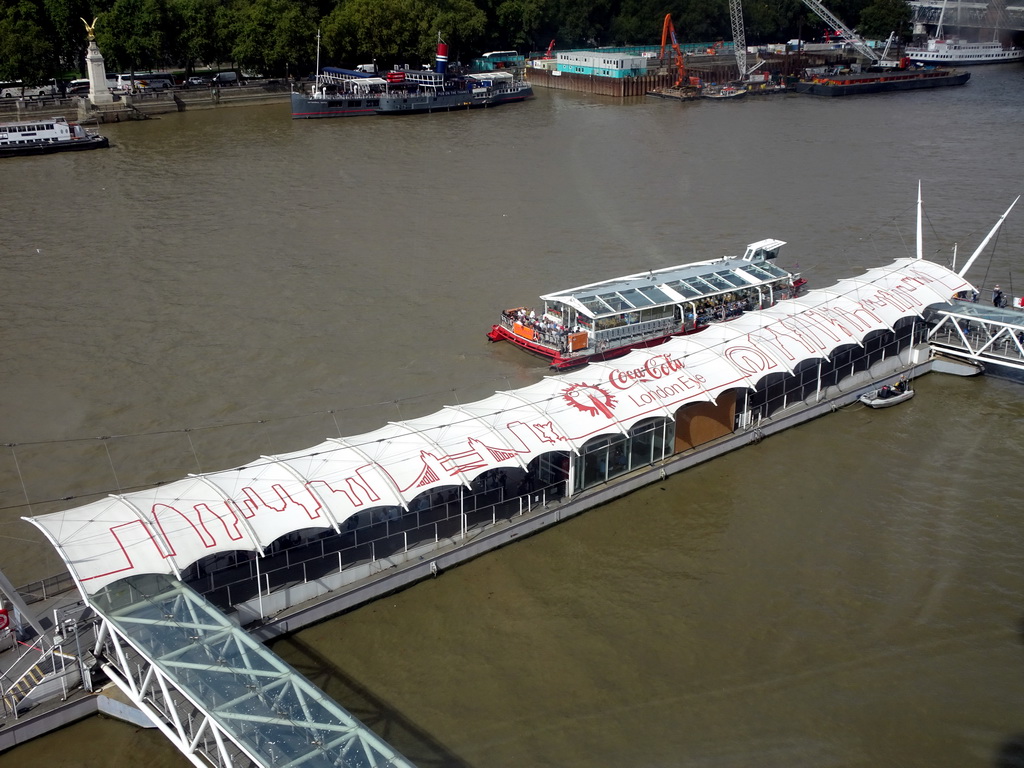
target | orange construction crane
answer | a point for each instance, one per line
(669, 32)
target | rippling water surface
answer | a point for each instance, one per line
(848, 593)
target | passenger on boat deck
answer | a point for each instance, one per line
(997, 296)
(900, 386)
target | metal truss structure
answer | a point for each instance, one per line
(993, 337)
(222, 698)
(985, 15)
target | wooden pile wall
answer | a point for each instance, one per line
(602, 86)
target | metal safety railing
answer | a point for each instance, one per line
(382, 533)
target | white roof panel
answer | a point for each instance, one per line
(164, 529)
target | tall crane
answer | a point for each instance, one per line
(739, 36)
(668, 32)
(847, 34)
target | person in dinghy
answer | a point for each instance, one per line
(887, 395)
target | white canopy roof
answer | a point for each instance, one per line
(165, 529)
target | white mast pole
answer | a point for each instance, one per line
(988, 237)
(920, 237)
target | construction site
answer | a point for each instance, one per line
(700, 70)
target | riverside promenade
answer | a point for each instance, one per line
(143, 106)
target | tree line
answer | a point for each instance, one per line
(44, 39)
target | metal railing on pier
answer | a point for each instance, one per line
(380, 534)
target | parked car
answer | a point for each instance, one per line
(78, 87)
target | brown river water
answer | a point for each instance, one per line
(848, 593)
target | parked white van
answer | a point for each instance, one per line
(227, 78)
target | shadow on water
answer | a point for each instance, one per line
(1011, 751)
(410, 740)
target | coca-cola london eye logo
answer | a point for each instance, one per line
(659, 370)
(590, 398)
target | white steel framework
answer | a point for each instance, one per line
(739, 36)
(222, 698)
(991, 336)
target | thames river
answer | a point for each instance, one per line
(228, 283)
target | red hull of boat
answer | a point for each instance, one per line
(559, 363)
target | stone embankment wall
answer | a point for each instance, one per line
(142, 106)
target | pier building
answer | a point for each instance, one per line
(290, 539)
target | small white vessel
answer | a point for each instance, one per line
(886, 396)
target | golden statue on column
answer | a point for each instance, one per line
(90, 29)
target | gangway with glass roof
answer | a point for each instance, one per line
(220, 696)
(990, 336)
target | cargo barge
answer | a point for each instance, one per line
(883, 81)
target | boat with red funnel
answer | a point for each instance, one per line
(405, 90)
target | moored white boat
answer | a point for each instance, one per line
(959, 53)
(605, 320)
(44, 136)
(953, 52)
(348, 93)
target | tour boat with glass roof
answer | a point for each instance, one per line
(605, 320)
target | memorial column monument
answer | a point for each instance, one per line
(99, 91)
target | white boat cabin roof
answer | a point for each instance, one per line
(674, 285)
(39, 123)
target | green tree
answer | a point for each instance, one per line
(400, 31)
(274, 35)
(25, 52)
(195, 24)
(703, 21)
(132, 34)
(520, 22)
(882, 17)
(227, 23)
(639, 22)
(582, 22)
(67, 32)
